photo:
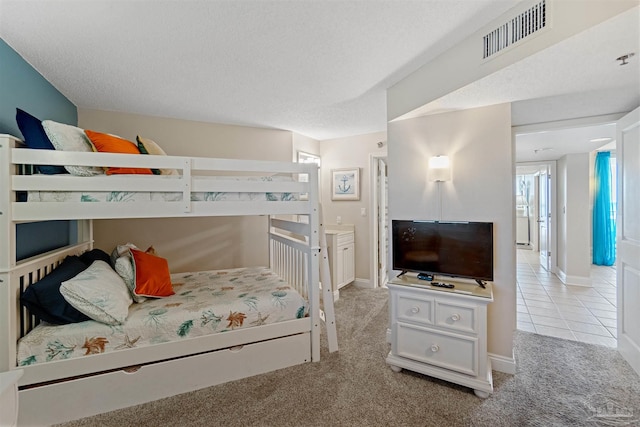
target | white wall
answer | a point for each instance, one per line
(574, 221)
(193, 244)
(351, 152)
(479, 144)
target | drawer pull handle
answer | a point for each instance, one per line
(415, 310)
(435, 348)
(455, 317)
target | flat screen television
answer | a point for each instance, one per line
(454, 249)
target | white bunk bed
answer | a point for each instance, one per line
(63, 390)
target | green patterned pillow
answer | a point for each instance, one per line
(99, 293)
(143, 150)
(148, 146)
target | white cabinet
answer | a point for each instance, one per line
(341, 249)
(522, 230)
(441, 332)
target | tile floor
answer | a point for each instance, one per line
(548, 307)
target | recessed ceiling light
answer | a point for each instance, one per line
(604, 139)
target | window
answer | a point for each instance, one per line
(308, 158)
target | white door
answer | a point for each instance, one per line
(544, 181)
(383, 226)
(628, 237)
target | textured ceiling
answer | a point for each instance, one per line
(551, 145)
(316, 67)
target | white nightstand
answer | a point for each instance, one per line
(441, 332)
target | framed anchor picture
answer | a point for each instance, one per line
(345, 184)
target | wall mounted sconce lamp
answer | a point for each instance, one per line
(439, 169)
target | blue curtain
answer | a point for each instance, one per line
(604, 227)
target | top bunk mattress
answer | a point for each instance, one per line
(167, 196)
(204, 303)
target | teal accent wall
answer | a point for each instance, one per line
(23, 87)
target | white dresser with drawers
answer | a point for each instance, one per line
(441, 332)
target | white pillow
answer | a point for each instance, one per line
(70, 138)
(99, 293)
(122, 262)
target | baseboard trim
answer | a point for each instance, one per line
(362, 283)
(561, 276)
(358, 283)
(503, 364)
(574, 280)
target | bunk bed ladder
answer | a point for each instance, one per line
(327, 313)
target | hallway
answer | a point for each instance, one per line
(548, 307)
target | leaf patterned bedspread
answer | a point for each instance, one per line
(205, 302)
(142, 196)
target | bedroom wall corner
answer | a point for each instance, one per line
(24, 87)
(351, 152)
(304, 144)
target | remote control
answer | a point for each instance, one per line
(442, 285)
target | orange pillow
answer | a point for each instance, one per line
(105, 143)
(152, 275)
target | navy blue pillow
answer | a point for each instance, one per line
(44, 299)
(35, 137)
(94, 255)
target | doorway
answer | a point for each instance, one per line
(536, 229)
(628, 237)
(525, 211)
(379, 222)
(546, 305)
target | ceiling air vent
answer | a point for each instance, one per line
(516, 29)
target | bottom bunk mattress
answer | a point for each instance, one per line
(204, 303)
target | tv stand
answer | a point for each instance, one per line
(482, 283)
(441, 332)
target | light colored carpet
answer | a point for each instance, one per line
(558, 383)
